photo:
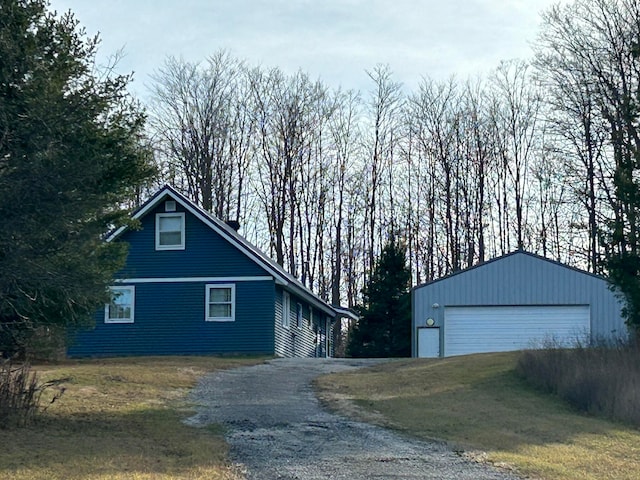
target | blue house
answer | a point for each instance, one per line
(193, 286)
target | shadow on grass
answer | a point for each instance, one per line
(150, 442)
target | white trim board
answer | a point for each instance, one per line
(280, 276)
(192, 279)
(211, 223)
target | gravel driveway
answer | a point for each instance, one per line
(277, 429)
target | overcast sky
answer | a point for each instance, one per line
(335, 40)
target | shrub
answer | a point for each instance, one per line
(21, 393)
(47, 343)
(601, 380)
(25, 341)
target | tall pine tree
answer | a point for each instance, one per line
(70, 158)
(384, 328)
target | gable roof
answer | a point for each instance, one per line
(281, 276)
(502, 257)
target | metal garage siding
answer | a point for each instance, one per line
(507, 328)
(520, 278)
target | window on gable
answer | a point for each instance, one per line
(299, 315)
(285, 309)
(221, 303)
(122, 305)
(170, 231)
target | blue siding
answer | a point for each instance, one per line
(206, 253)
(170, 320)
(170, 292)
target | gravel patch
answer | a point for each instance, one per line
(277, 429)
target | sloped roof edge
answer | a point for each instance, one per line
(281, 276)
(346, 312)
(502, 257)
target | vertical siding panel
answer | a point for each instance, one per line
(520, 279)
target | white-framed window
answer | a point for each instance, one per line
(310, 321)
(121, 308)
(299, 315)
(220, 303)
(286, 309)
(170, 231)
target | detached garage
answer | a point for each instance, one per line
(513, 302)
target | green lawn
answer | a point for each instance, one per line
(120, 419)
(478, 404)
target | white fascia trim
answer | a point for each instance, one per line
(116, 233)
(276, 275)
(345, 312)
(192, 279)
(280, 279)
(311, 299)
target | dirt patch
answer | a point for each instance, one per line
(343, 404)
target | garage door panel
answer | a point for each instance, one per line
(499, 329)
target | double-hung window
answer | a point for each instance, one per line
(170, 231)
(221, 303)
(122, 305)
(286, 309)
(299, 318)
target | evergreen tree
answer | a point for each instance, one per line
(70, 158)
(384, 328)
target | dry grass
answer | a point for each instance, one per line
(604, 381)
(120, 419)
(478, 404)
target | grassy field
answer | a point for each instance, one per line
(120, 419)
(479, 405)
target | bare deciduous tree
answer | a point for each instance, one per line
(194, 113)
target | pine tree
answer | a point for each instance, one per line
(70, 157)
(384, 328)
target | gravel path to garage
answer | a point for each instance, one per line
(277, 430)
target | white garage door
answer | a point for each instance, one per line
(502, 329)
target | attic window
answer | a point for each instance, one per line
(170, 206)
(170, 231)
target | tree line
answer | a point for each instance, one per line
(540, 155)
